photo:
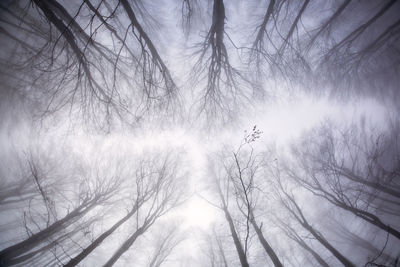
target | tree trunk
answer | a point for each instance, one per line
(271, 253)
(77, 259)
(355, 178)
(29, 243)
(316, 256)
(346, 262)
(373, 219)
(238, 245)
(29, 257)
(125, 246)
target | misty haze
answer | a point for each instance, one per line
(197, 133)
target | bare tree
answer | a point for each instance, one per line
(90, 195)
(226, 87)
(96, 60)
(360, 241)
(21, 188)
(241, 169)
(215, 247)
(329, 50)
(243, 176)
(145, 190)
(342, 186)
(290, 204)
(115, 65)
(167, 191)
(224, 206)
(236, 240)
(294, 235)
(165, 244)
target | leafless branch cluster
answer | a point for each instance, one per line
(95, 58)
(226, 88)
(353, 171)
(63, 210)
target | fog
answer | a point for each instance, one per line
(199, 133)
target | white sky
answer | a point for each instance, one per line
(281, 123)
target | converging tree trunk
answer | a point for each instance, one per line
(77, 259)
(24, 246)
(268, 249)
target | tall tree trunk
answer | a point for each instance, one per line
(355, 178)
(297, 213)
(271, 253)
(221, 251)
(330, 21)
(357, 32)
(238, 245)
(292, 234)
(125, 246)
(316, 256)
(263, 26)
(24, 258)
(344, 260)
(365, 244)
(236, 240)
(293, 27)
(29, 243)
(77, 259)
(372, 219)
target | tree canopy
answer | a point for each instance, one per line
(280, 116)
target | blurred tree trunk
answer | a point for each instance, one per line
(77, 259)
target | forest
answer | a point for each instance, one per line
(200, 133)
